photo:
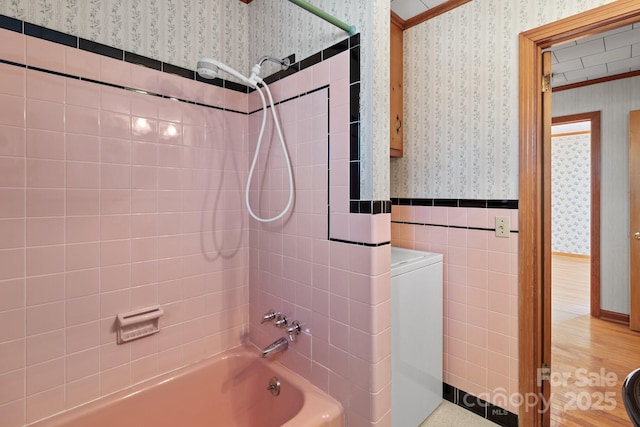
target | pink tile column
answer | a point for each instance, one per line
(338, 291)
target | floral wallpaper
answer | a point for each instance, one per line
(173, 31)
(571, 194)
(461, 98)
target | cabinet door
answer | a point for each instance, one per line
(395, 107)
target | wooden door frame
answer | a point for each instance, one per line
(530, 216)
(594, 118)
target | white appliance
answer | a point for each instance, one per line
(416, 335)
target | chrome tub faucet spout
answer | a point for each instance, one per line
(278, 346)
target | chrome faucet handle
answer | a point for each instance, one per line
(270, 315)
(294, 330)
(280, 321)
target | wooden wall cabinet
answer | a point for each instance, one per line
(395, 107)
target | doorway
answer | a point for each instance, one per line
(534, 284)
(575, 213)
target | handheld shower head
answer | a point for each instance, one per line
(208, 68)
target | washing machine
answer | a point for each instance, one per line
(416, 335)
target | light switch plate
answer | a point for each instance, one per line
(503, 226)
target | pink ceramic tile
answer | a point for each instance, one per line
(114, 252)
(499, 262)
(12, 172)
(82, 63)
(144, 78)
(144, 249)
(115, 202)
(499, 302)
(45, 260)
(44, 54)
(457, 237)
(112, 303)
(13, 317)
(44, 376)
(14, 384)
(498, 323)
(45, 346)
(115, 71)
(144, 272)
(82, 391)
(82, 120)
(115, 125)
(82, 282)
(82, 202)
(13, 355)
(82, 148)
(82, 229)
(44, 115)
(144, 177)
(82, 94)
(82, 310)
(477, 259)
(45, 144)
(171, 85)
(144, 201)
(477, 336)
(44, 404)
(114, 379)
(144, 129)
(13, 141)
(457, 216)
(45, 86)
(45, 318)
(479, 218)
(13, 233)
(45, 173)
(115, 176)
(82, 256)
(12, 294)
(12, 111)
(13, 81)
(115, 277)
(321, 74)
(13, 46)
(45, 231)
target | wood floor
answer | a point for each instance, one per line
(590, 357)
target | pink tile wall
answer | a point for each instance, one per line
(480, 293)
(339, 292)
(112, 200)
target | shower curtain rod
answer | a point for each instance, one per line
(324, 15)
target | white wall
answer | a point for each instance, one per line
(614, 99)
(571, 194)
(461, 98)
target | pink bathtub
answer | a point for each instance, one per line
(229, 390)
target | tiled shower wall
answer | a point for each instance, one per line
(480, 294)
(330, 273)
(112, 200)
(118, 199)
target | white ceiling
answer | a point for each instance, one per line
(609, 53)
(409, 8)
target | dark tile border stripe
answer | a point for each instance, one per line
(424, 224)
(457, 203)
(350, 242)
(479, 406)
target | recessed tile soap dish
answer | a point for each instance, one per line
(138, 323)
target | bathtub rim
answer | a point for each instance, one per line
(318, 408)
